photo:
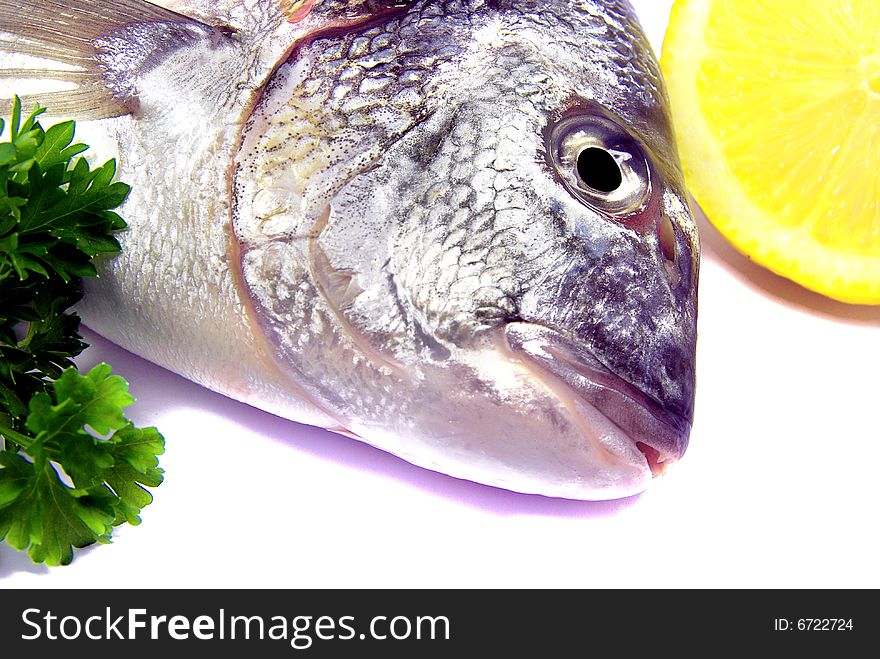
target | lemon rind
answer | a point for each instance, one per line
(790, 252)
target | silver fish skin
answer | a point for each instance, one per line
(456, 230)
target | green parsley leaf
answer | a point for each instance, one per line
(72, 465)
(38, 511)
(45, 516)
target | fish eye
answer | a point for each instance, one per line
(598, 169)
(600, 164)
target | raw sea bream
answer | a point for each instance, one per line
(457, 230)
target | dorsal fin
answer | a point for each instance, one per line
(82, 40)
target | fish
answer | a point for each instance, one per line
(456, 230)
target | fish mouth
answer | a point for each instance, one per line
(582, 381)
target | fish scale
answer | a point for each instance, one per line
(369, 216)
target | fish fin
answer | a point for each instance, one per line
(339, 286)
(80, 46)
(340, 430)
(296, 10)
(340, 289)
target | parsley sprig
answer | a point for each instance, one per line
(71, 465)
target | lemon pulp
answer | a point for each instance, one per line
(777, 107)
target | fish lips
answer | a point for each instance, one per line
(660, 435)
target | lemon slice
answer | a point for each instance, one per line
(776, 105)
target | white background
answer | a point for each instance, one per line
(778, 489)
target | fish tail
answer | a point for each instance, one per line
(70, 53)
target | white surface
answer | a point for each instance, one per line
(778, 488)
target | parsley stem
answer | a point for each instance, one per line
(10, 435)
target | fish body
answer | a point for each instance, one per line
(456, 230)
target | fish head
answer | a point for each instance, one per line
(552, 230)
(609, 313)
(518, 261)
